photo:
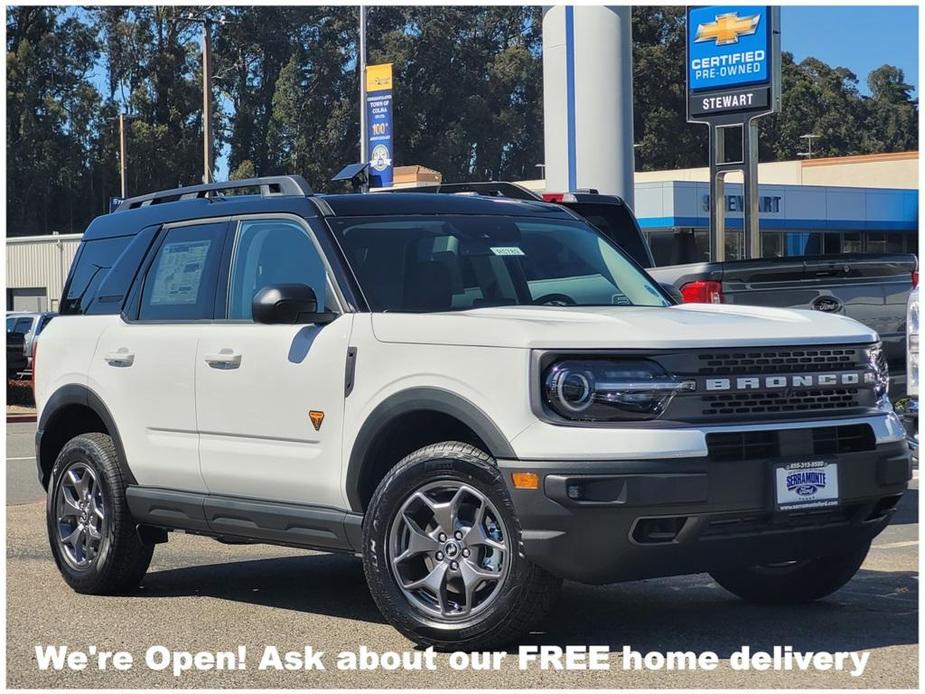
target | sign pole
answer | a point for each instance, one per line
(750, 226)
(717, 192)
(733, 79)
(364, 145)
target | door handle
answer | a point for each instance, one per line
(121, 357)
(224, 359)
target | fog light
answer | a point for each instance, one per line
(525, 480)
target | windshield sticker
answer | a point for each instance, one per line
(506, 250)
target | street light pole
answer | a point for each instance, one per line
(122, 162)
(809, 137)
(362, 65)
(206, 100)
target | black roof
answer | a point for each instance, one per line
(434, 203)
(130, 222)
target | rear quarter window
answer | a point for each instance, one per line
(93, 262)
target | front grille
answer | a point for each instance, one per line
(771, 383)
(780, 361)
(844, 439)
(776, 402)
(743, 445)
(757, 445)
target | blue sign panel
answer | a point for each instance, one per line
(728, 47)
(114, 204)
(379, 124)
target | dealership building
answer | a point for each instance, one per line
(860, 204)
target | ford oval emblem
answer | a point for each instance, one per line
(806, 489)
(827, 304)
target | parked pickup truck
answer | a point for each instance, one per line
(872, 289)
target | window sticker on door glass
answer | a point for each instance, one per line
(179, 273)
(506, 250)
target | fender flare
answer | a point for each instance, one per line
(418, 399)
(76, 394)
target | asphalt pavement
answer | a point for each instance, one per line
(202, 595)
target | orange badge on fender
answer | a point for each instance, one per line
(317, 418)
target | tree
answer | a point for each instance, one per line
(53, 120)
(153, 66)
(468, 98)
(666, 140)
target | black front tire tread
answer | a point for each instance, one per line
(806, 582)
(128, 558)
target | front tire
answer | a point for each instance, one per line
(93, 538)
(792, 582)
(443, 556)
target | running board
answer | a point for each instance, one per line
(313, 527)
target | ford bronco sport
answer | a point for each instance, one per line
(481, 397)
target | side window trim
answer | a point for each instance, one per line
(226, 272)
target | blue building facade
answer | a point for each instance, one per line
(794, 219)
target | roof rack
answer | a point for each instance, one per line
(268, 185)
(498, 189)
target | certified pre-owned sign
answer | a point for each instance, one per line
(728, 47)
(731, 60)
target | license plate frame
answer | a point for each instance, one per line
(805, 485)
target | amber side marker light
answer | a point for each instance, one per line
(525, 480)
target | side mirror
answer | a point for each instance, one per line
(672, 291)
(289, 304)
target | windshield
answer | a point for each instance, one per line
(456, 262)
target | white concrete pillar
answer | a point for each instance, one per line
(588, 99)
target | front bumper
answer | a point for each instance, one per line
(649, 518)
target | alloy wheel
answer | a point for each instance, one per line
(449, 550)
(81, 515)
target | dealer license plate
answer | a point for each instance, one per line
(806, 484)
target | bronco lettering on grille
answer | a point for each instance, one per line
(850, 378)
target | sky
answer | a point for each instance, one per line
(860, 38)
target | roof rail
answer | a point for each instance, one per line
(502, 189)
(268, 185)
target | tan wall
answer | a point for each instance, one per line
(895, 170)
(40, 261)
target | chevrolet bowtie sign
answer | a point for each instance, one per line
(727, 28)
(730, 60)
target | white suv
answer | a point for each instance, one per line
(479, 396)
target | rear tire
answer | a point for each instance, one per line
(477, 590)
(793, 582)
(92, 535)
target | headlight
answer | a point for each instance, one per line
(608, 390)
(912, 344)
(881, 371)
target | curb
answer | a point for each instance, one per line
(16, 418)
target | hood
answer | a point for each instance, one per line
(606, 327)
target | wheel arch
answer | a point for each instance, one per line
(72, 410)
(393, 414)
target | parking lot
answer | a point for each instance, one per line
(202, 595)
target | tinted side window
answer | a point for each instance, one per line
(271, 252)
(110, 294)
(180, 284)
(93, 262)
(22, 326)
